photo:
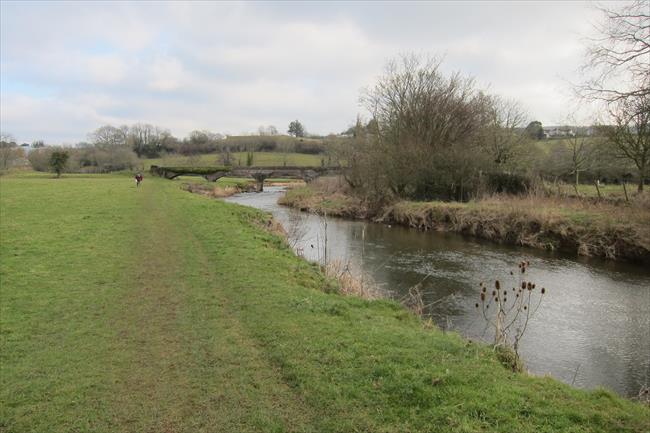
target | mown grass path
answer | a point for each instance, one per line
(125, 328)
(154, 310)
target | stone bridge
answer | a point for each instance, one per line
(258, 173)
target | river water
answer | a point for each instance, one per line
(592, 328)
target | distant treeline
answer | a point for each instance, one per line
(111, 148)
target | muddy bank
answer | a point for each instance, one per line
(586, 229)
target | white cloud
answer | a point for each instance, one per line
(68, 68)
(167, 73)
(106, 69)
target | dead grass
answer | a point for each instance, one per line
(326, 196)
(619, 232)
(216, 191)
(353, 283)
(586, 226)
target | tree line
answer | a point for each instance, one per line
(111, 148)
(432, 135)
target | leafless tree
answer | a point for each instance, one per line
(267, 130)
(503, 135)
(426, 129)
(631, 134)
(109, 136)
(617, 65)
(146, 139)
(9, 151)
(579, 153)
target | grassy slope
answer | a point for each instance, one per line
(152, 309)
(259, 159)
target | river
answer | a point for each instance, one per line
(592, 328)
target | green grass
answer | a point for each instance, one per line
(150, 309)
(589, 190)
(239, 158)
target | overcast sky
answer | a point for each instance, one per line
(68, 68)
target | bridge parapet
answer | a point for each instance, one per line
(258, 173)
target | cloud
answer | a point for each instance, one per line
(167, 73)
(106, 69)
(66, 68)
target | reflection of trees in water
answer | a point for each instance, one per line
(296, 229)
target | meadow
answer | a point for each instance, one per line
(154, 310)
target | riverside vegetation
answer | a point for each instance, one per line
(152, 309)
(584, 226)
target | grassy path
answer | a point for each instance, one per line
(154, 310)
(136, 336)
(195, 369)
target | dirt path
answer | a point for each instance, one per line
(192, 367)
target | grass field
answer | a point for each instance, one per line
(150, 309)
(239, 158)
(590, 190)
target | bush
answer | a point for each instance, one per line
(508, 183)
(311, 148)
(58, 161)
(40, 158)
(85, 160)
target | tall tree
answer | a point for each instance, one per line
(9, 151)
(296, 129)
(502, 136)
(535, 130)
(109, 136)
(631, 134)
(617, 64)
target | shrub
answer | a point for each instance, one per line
(40, 158)
(508, 183)
(58, 160)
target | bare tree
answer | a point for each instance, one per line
(9, 151)
(631, 135)
(578, 155)
(426, 127)
(147, 140)
(109, 136)
(503, 135)
(267, 130)
(617, 63)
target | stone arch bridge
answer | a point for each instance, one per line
(260, 174)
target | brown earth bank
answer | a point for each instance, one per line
(228, 189)
(613, 231)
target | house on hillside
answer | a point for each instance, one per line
(559, 132)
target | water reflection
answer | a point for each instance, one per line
(593, 328)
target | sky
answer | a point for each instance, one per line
(67, 68)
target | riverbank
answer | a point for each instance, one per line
(583, 227)
(196, 318)
(227, 187)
